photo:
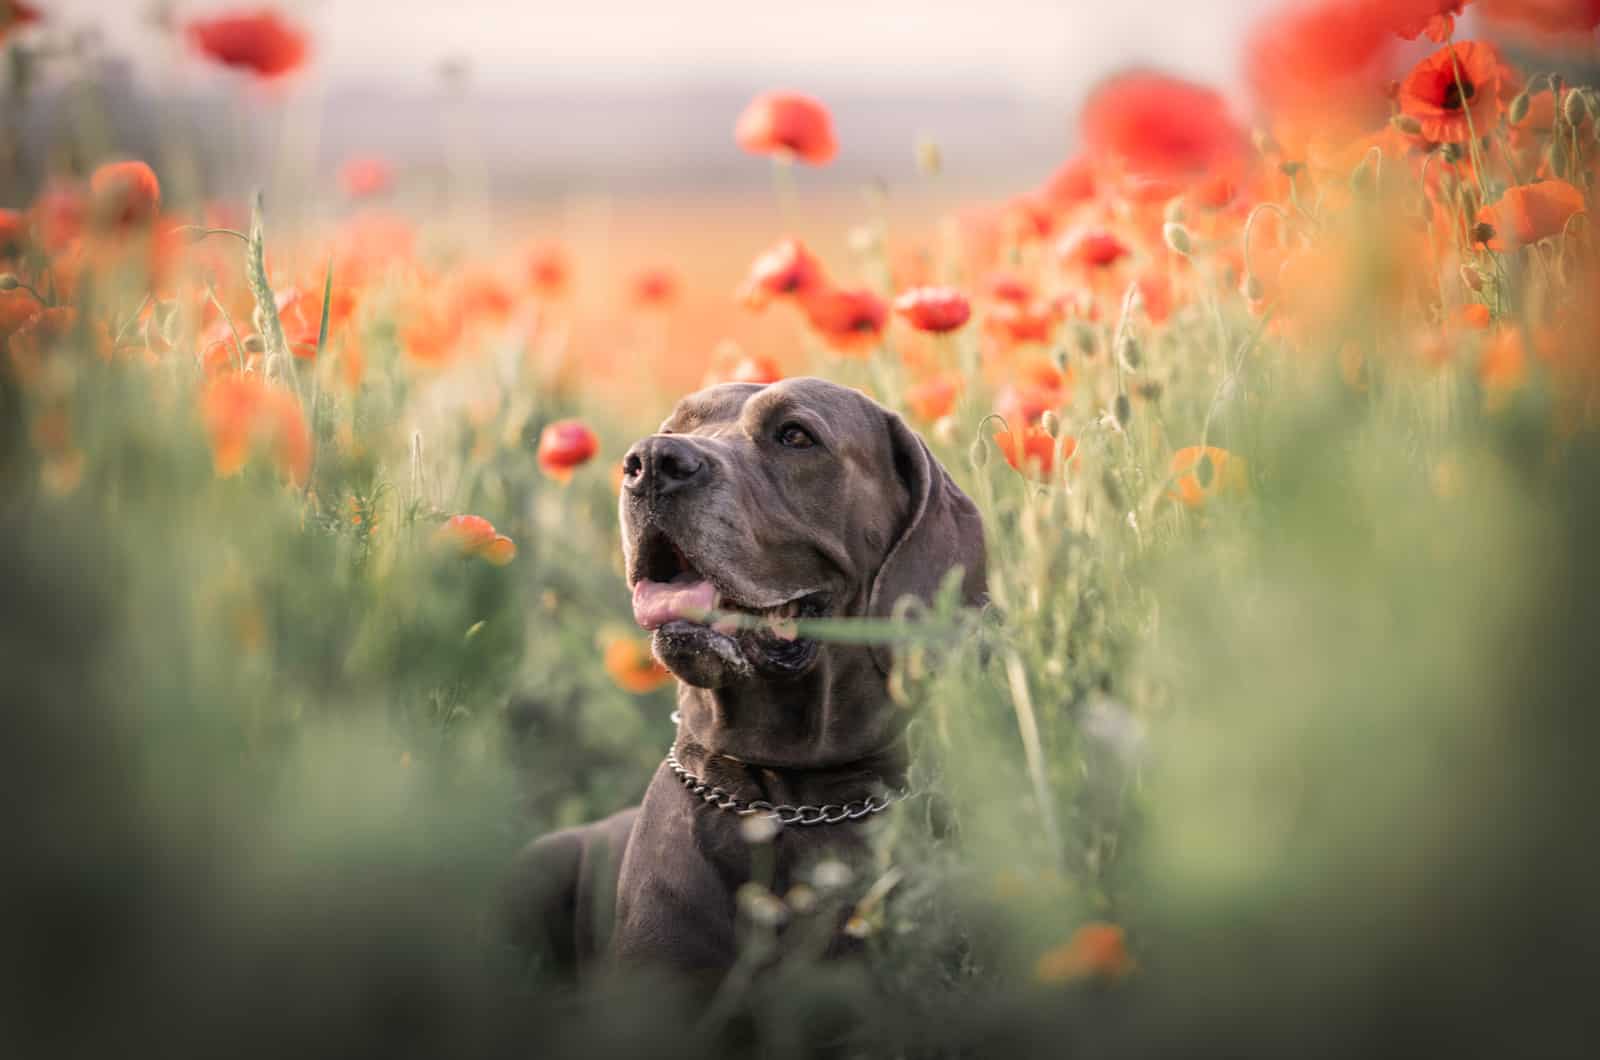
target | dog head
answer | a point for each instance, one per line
(801, 499)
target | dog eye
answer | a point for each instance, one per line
(794, 436)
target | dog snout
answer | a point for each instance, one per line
(662, 465)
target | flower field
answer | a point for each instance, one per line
(1280, 409)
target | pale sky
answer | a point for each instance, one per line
(1043, 47)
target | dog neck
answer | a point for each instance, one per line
(837, 785)
(834, 716)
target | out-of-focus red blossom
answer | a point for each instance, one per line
(737, 366)
(1543, 18)
(1475, 316)
(481, 298)
(1021, 322)
(13, 234)
(58, 216)
(365, 176)
(473, 535)
(629, 662)
(655, 287)
(1414, 18)
(549, 272)
(1155, 294)
(564, 446)
(1033, 450)
(244, 412)
(789, 125)
(849, 321)
(936, 309)
(125, 195)
(1096, 951)
(1449, 109)
(1071, 184)
(1318, 61)
(1528, 213)
(1202, 472)
(1008, 287)
(44, 332)
(1160, 126)
(934, 397)
(786, 270)
(431, 332)
(261, 42)
(301, 314)
(1036, 386)
(14, 15)
(1091, 248)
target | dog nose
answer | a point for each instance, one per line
(663, 464)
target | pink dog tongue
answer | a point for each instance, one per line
(657, 603)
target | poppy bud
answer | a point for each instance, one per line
(1050, 423)
(978, 455)
(1519, 108)
(1205, 471)
(1472, 278)
(1289, 169)
(1576, 107)
(1122, 410)
(9, 281)
(1254, 289)
(1407, 124)
(1059, 358)
(1177, 238)
(1086, 342)
(1361, 179)
(1174, 213)
(929, 159)
(1108, 482)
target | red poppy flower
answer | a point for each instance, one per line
(936, 309)
(1306, 60)
(1553, 18)
(1018, 322)
(849, 321)
(261, 42)
(125, 195)
(935, 397)
(564, 446)
(655, 286)
(1447, 107)
(14, 14)
(1072, 183)
(1093, 248)
(365, 176)
(243, 413)
(788, 269)
(787, 124)
(38, 336)
(58, 216)
(1033, 452)
(1413, 18)
(548, 270)
(737, 366)
(1009, 287)
(473, 535)
(1161, 126)
(1528, 213)
(13, 233)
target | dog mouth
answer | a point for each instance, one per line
(686, 607)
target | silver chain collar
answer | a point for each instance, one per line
(782, 813)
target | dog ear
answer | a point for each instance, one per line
(942, 531)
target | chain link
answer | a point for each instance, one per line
(783, 813)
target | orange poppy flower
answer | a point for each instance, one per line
(431, 334)
(1161, 126)
(1009, 287)
(789, 125)
(564, 446)
(1097, 951)
(1528, 213)
(473, 535)
(1072, 183)
(1016, 323)
(936, 309)
(1449, 107)
(849, 321)
(1091, 248)
(1318, 61)
(632, 667)
(1414, 18)
(655, 287)
(261, 42)
(58, 216)
(548, 269)
(43, 333)
(125, 195)
(243, 413)
(935, 397)
(786, 270)
(1474, 315)
(14, 14)
(365, 176)
(737, 366)
(1543, 18)
(1033, 452)
(1502, 366)
(1203, 472)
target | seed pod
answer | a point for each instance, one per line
(1086, 340)
(1519, 108)
(1482, 233)
(1050, 423)
(1450, 153)
(1254, 289)
(1177, 238)
(1150, 390)
(1123, 410)
(1289, 169)
(978, 454)
(1576, 107)
(1407, 124)
(1129, 353)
